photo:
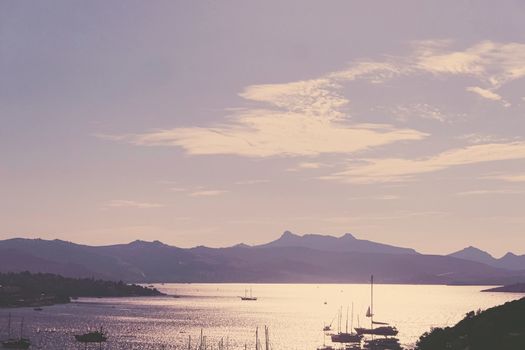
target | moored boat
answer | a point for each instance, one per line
(382, 344)
(246, 297)
(92, 337)
(15, 343)
(346, 337)
(384, 329)
(21, 343)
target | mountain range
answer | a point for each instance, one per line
(509, 261)
(292, 258)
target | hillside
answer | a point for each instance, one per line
(27, 289)
(511, 288)
(501, 327)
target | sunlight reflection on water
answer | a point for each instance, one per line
(295, 314)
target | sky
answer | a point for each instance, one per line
(214, 123)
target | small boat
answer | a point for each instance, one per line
(383, 330)
(355, 346)
(382, 344)
(346, 338)
(92, 337)
(325, 347)
(329, 327)
(246, 297)
(13, 343)
(38, 309)
(21, 343)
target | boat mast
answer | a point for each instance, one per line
(267, 337)
(9, 326)
(372, 304)
(352, 322)
(21, 327)
(372, 299)
(347, 319)
(340, 326)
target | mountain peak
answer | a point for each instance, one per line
(344, 243)
(474, 254)
(139, 242)
(241, 245)
(288, 234)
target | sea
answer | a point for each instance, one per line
(295, 315)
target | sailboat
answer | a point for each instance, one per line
(13, 343)
(329, 327)
(385, 329)
(246, 297)
(325, 347)
(346, 337)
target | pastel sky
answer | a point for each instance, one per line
(207, 122)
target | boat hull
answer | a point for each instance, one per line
(16, 344)
(346, 338)
(386, 331)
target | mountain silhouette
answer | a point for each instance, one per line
(345, 243)
(289, 259)
(509, 261)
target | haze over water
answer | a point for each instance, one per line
(295, 314)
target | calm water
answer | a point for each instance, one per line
(295, 314)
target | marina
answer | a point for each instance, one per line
(294, 313)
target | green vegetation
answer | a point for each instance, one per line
(499, 328)
(27, 289)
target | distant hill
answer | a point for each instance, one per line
(290, 259)
(512, 288)
(27, 289)
(345, 243)
(509, 261)
(501, 327)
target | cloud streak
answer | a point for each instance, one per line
(121, 203)
(207, 193)
(397, 169)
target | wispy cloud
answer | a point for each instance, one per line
(252, 182)
(506, 177)
(385, 197)
(480, 138)
(492, 62)
(121, 203)
(302, 118)
(484, 93)
(310, 117)
(396, 169)
(487, 94)
(406, 112)
(207, 193)
(310, 165)
(489, 192)
(265, 133)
